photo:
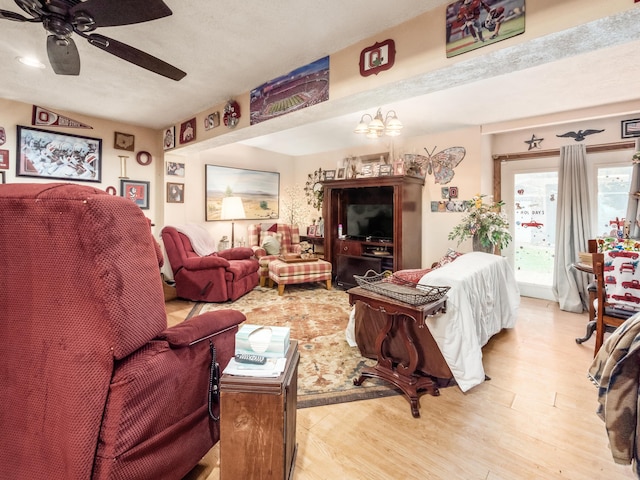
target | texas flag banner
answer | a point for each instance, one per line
(44, 117)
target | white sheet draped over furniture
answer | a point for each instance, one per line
(483, 299)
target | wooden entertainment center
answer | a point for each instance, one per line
(397, 250)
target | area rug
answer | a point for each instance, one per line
(318, 318)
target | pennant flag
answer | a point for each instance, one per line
(43, 117)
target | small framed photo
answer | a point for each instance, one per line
(329, 174)
(366, 170)
(444, 193)
(4, 159)
(631, 128)
(311, 231)
(2, 178)
(188, 131)
(169, 140)
(175, 192)
(398, 167)
(124, 141)
(453, 192)
(212, 121)
(136, 191)
(175, 169)
(385, 170)
(341, 171)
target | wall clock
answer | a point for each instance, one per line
(377, 58)
(314, 190)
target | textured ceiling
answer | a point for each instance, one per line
(229, 47)
(226, 47)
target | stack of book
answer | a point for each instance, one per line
(260, 351)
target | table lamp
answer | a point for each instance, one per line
(232, 209)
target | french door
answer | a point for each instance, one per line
(530, 192)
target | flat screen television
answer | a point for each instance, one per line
(370, 222)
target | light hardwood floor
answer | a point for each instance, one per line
(535, 418)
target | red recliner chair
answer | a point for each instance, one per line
(218, 277)
(93, 383)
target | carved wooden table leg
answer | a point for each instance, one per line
(402, 376)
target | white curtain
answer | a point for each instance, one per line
(573, 227)
(632, 207)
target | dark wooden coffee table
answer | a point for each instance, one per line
(392, 370)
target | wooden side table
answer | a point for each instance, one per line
(258, 424)
(389, 369)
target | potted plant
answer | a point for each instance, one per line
(485, 224)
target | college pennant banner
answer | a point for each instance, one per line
(44, 117)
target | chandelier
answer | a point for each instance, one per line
(379, 126)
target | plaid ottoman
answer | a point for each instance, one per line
(284, 273)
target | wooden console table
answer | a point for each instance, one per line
(389, 369)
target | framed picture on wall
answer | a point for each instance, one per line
(187, 131)
(124, 141)
(631, 128)
(175, 192)
(136, 191)
(169, 139)
(4, 159)
(45, 154)
(175, 169)
(471, 25)
(258, 190)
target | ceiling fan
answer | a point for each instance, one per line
(61, 18)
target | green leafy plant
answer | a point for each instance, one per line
(484, 221)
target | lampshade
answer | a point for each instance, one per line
(232, 209)
(379, 125)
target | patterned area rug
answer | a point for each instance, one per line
(318, 318)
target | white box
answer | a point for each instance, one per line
(270, 342)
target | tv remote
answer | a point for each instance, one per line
(249, 358)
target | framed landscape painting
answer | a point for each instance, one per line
(258, 190)
(45, 154)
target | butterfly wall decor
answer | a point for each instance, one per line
(440, 165)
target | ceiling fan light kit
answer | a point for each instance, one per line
(378, 126)
(62, 18)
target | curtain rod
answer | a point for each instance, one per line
(603, 147)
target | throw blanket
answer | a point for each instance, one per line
(483, 299)
(615, 371)
(201, 241)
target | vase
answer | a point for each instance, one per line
(479, 247)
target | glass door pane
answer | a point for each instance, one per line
(534, 220)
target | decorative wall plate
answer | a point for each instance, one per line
(314, 190)
(144, 158)
(231, 115)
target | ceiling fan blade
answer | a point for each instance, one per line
(106, 13)
(16, 17)
(63, 55)
(135, 56)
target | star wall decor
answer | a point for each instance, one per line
(534, 142)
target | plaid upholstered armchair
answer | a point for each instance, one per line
(268, 241)
(94, 384)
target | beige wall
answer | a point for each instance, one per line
(13, 114)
